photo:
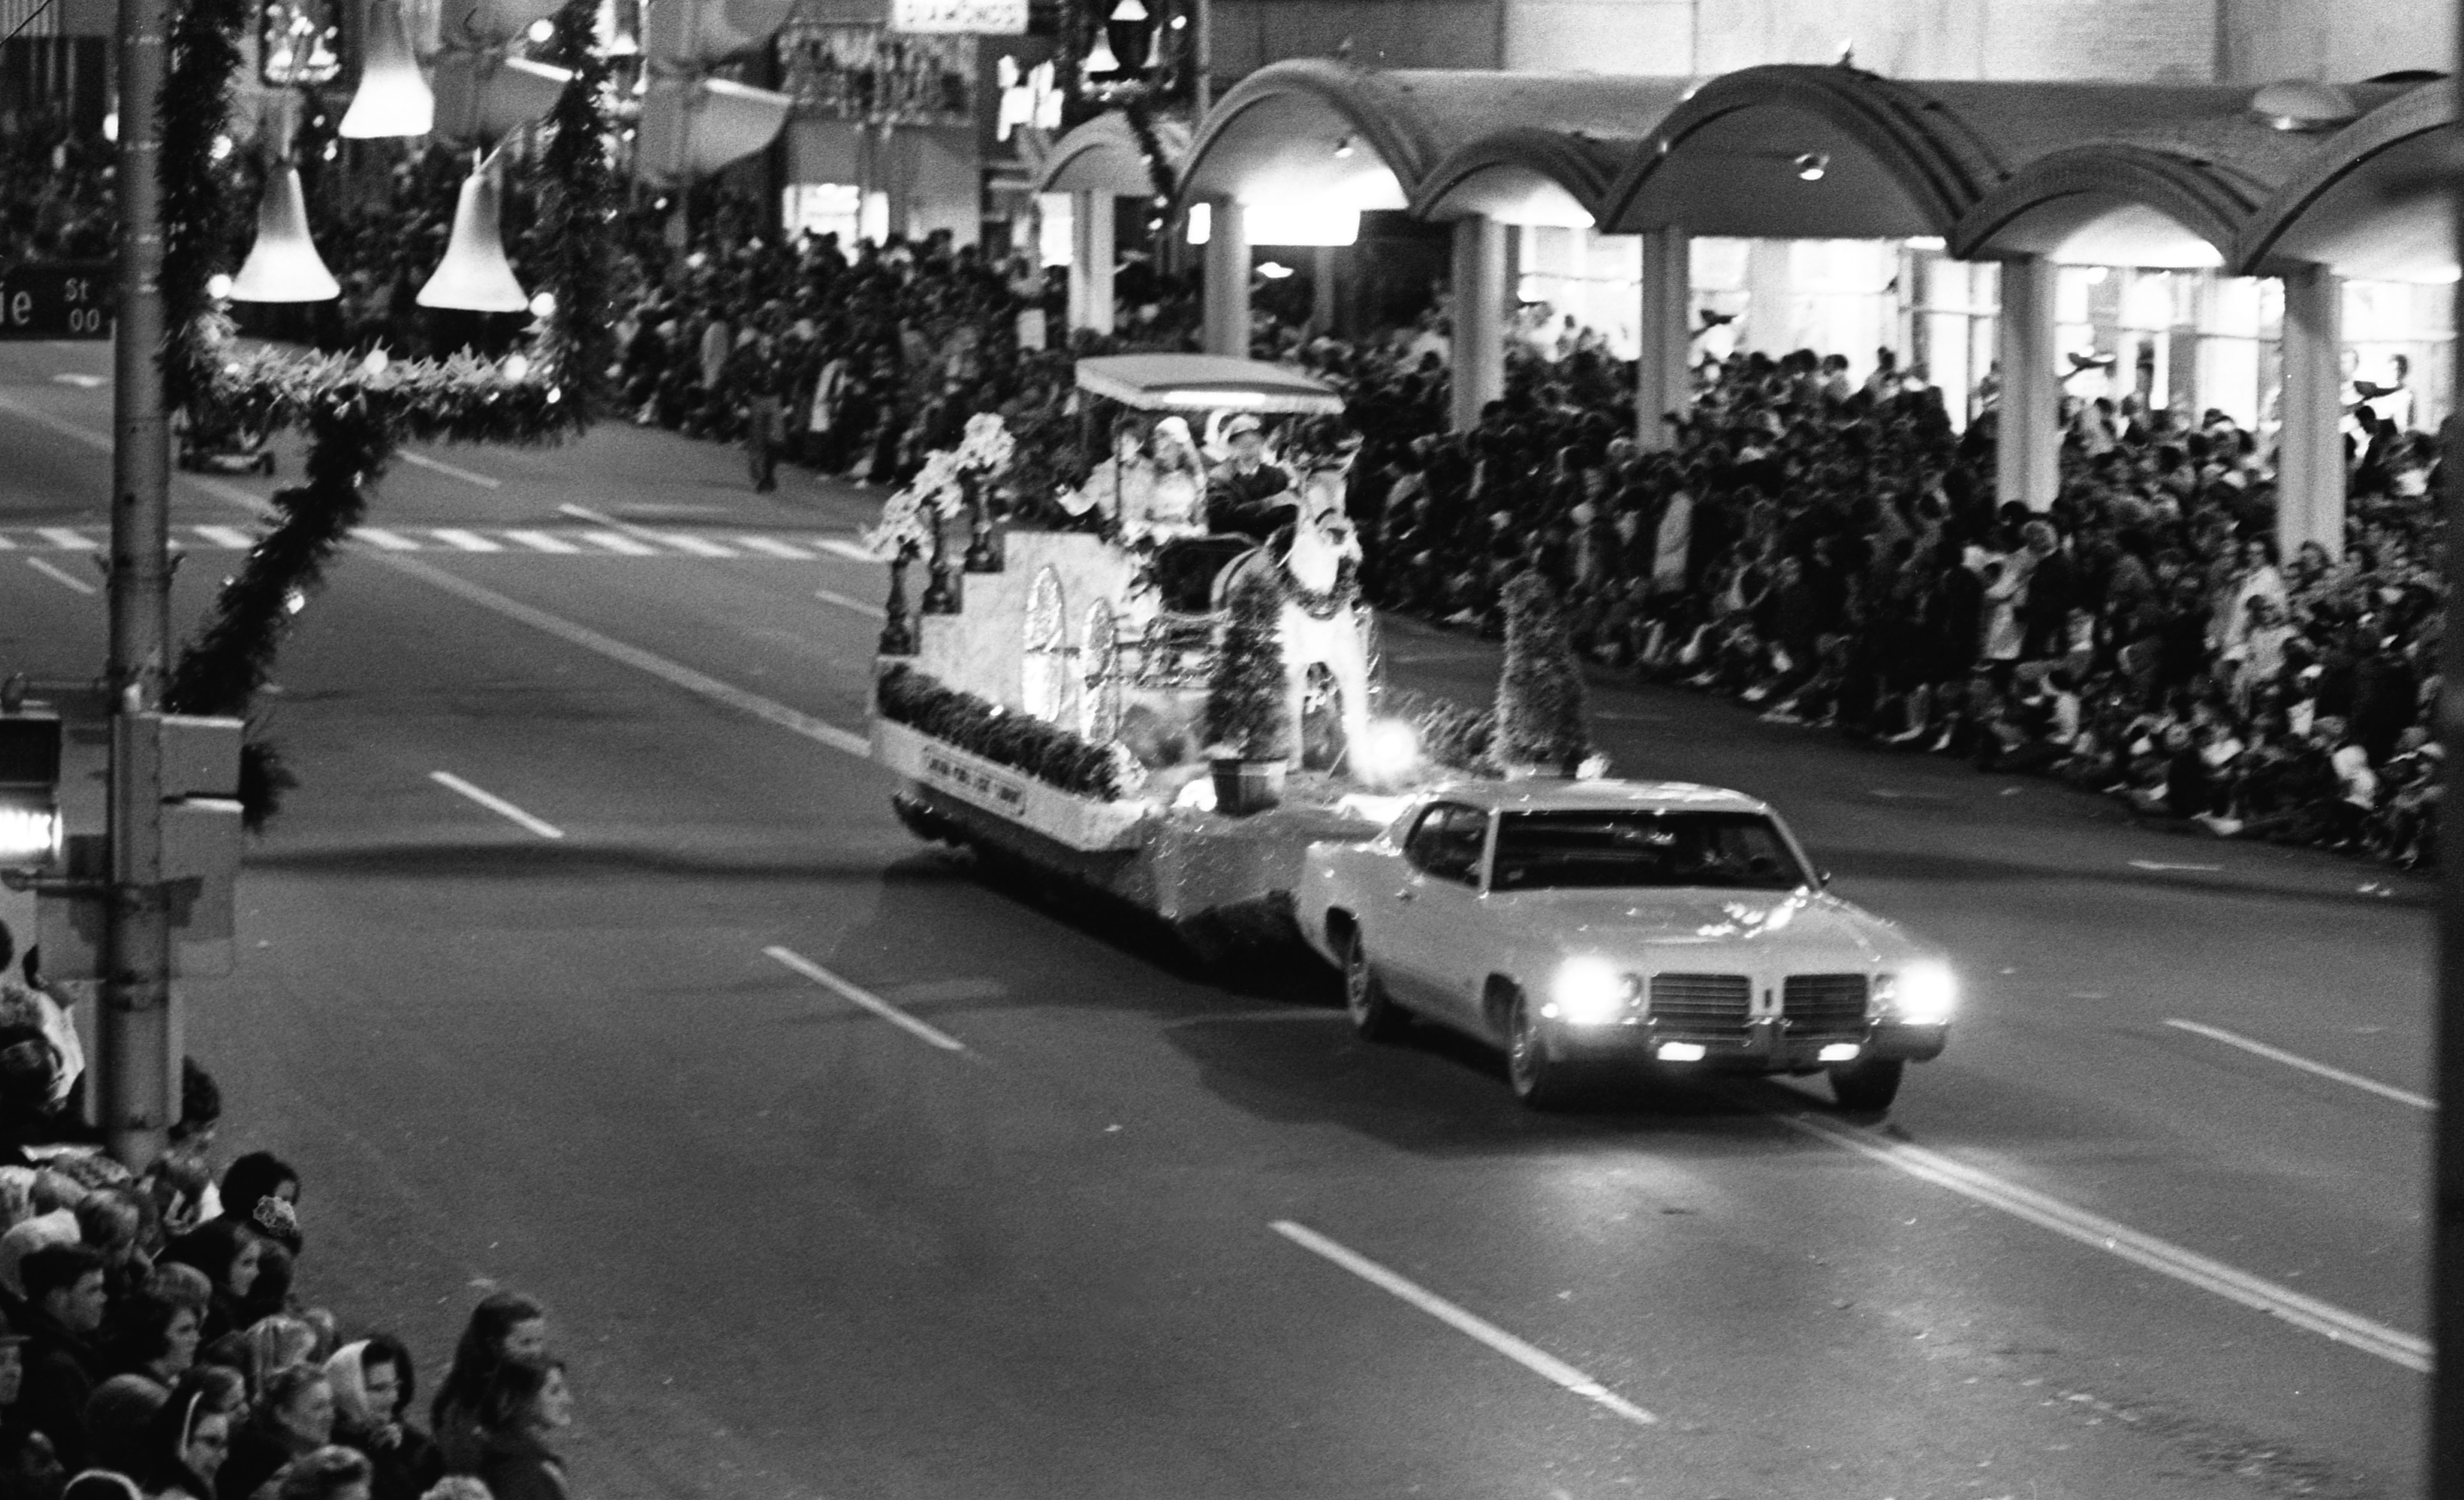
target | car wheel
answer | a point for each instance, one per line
(1868, 1087)
(1542, 1082)
(1373, 1015)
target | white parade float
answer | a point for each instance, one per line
(1049, 704)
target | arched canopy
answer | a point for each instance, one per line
(2377, 201)
(1103, 155)
(1332, 133)
(2152, 173)
(1527, 175)
(2111, 204)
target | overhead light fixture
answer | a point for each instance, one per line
(1811, 166)
(1129, 10)
(1274, 270)
(2301, 106)
(1343, 149)
(542, 30)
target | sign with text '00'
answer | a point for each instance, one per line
(59, 300)
(986, 17)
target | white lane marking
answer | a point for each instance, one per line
(772, 546)
(2115, 1238)
(58, 576)
(81, 382)
(466, 540)
(391, 542)
(497, 805)
(64, 536)
(75, 431)
(1539, 1361)
(451, 471)
(856, 605)
(2276, 1054)
(542, 542)
(699, 546)
(676, 673)
(618, 542)
(2162, 864)
(7, 546)
(846, 549)
(226, 537)
(866, 999)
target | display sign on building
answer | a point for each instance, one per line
(983, 17)
(875, 76)
(299, 43)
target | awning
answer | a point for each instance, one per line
(1103, 155)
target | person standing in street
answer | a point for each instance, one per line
(765, 427)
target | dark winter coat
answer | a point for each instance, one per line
(62, 1372)
(520, 1468)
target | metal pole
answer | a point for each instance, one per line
(1205, 94)
(2447, 1206)
(135, 1020)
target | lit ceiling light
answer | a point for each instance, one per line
(1343, 149)
(541, 31)
(1129, 10)
(1810, 166)
(1274, 270)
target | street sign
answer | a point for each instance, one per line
(62, 300)
(986, 17)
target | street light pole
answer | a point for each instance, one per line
(2447, 1173)
(135, 1076)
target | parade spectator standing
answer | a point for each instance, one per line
(184, 1447)
(373, 1385)
(293, 1417)
(527, 1401)
(504, 1325)
(230, 1258)
(64, 1306)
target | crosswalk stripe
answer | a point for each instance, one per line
(774, 548)
(699, 546)
(390, 541)
(64, 537)
(466, 541)
(7, 546)
(226, 537)
(542, 542)
(850, 550)
(618, 542)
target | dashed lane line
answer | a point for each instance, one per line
(854, 552)
(466, 540)
(67, 539)
(449, 471)
(226, 537)
(497, 805)
(876, 612)
(2162, 865)
(2276, 1054)
(542, 542)
(619, 542)
(61, 576)
(863, 999)
(1539, 1361)
(774, 548)
(2115, 1238)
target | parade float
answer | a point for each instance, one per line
(1096, 686)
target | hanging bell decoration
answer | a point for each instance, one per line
(473, 276)
(283, 265)
(1100, 58)
(393, 98)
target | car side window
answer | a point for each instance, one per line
(1446, 844)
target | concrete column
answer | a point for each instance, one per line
(1090, 261)
(1325, 305)
(2027, 462)
(1479, 318)
(2225, 377)
(2310, 458)
(1227, 279)
(1770, 280)
(1662, 384)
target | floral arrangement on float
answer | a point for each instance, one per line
(953, 482)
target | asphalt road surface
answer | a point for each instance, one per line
(589, 960)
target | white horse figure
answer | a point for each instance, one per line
(1322, 623)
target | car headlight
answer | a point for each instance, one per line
(1590, 992)
(1920, 995)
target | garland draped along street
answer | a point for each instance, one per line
(589, 957)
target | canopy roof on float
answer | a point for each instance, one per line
(1204, 383)
(1336, 135)
(1104, 155)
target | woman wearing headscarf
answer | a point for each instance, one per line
(373, 1383)
(184, 1447)
(526, 1402)
(293, 1417)
(503, 1325)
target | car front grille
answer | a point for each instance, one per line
(1824, 1005)
(1713, 1005)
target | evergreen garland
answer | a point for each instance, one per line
(1540, 716)
(355, 412)
(1248, 711)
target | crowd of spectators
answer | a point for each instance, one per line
(1834, 553)
(55, 199)
(156, 1341)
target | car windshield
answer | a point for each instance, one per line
(1642, 848)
